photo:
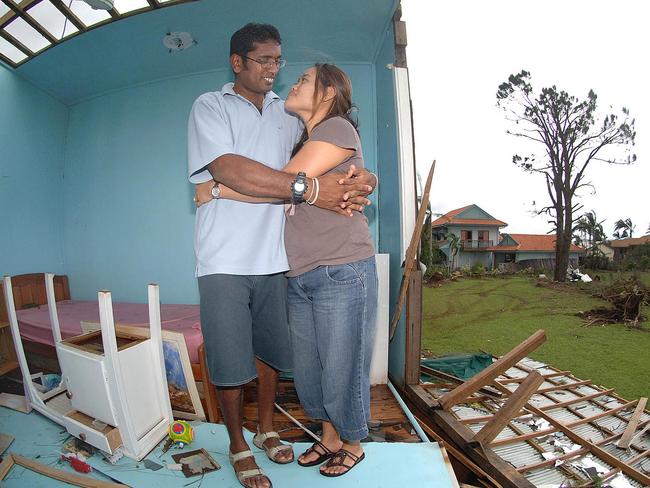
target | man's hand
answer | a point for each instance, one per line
(345, 193)
(356, 176)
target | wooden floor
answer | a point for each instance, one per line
(389, 423)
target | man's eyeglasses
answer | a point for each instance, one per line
(268, 62)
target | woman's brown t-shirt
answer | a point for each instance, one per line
(316, 237)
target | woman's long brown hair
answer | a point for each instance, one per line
(328, 75)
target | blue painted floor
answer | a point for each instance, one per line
(386, 464)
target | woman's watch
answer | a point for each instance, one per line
(216, 191)
(298, 188)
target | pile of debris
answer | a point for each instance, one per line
(521, 423)
(627, 295)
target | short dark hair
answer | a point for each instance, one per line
(242, 42)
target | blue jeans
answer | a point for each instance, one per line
(332, 313)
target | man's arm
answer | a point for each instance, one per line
(250, 177)
(255, 179)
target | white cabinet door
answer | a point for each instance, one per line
(86, 378)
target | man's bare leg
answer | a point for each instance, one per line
(231, 400)
(267, 387)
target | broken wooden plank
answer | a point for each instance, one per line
(5, 442)
(565, 386)
(411, 252)
(506, 381)
(638, 458)
(574, 400)
(509, 409)
(413, 329)
(57, 474)
(5, 466)
(487, 391)
(523, 437)
(15, 402)
(500, 366)
(457, 454)
(626, 438)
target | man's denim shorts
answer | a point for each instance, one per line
(243, 318)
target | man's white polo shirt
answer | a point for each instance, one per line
(233, 237)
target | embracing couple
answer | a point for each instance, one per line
(285, 261)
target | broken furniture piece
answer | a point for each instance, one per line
(113, 394)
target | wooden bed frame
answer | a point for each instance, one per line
(29, 291)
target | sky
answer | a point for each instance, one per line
(459, 52)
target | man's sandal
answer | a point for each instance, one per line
(323, 454)
(272, 452)
(246, 474)
(338, 459)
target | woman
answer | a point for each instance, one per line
(332, 281)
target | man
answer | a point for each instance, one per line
(239, 246)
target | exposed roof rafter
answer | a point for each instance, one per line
(20, 10)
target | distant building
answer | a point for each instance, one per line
(618, 248)
(480, 241)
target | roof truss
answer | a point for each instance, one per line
(31, 27)
(597, 423)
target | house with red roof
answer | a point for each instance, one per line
(469, 235)
(618, 248)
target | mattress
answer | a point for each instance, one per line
(35, 322)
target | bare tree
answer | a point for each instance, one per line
(572, 135)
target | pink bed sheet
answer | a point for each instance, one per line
(35, 322)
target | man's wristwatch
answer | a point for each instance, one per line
(216, 191)
(298, 188)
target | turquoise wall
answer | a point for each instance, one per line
(129, 215)
(32, 137)
(389, 197)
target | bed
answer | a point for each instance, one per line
(34, 320)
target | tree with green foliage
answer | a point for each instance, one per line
(591, 230)
(572, 135)
(624, 228)
(591, 233)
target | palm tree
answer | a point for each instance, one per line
(624, 228)
(590, 229)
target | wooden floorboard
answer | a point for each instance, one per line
(389, 423)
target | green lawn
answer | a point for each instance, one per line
(495, 314)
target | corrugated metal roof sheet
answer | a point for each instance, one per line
(595, 419)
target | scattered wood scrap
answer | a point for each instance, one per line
(5, 442)
(70, 478)
(626, 439)
(15, 402)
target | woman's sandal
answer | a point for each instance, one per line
(272, 452)
(246, 474)
(322, 456)
(338, 459)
